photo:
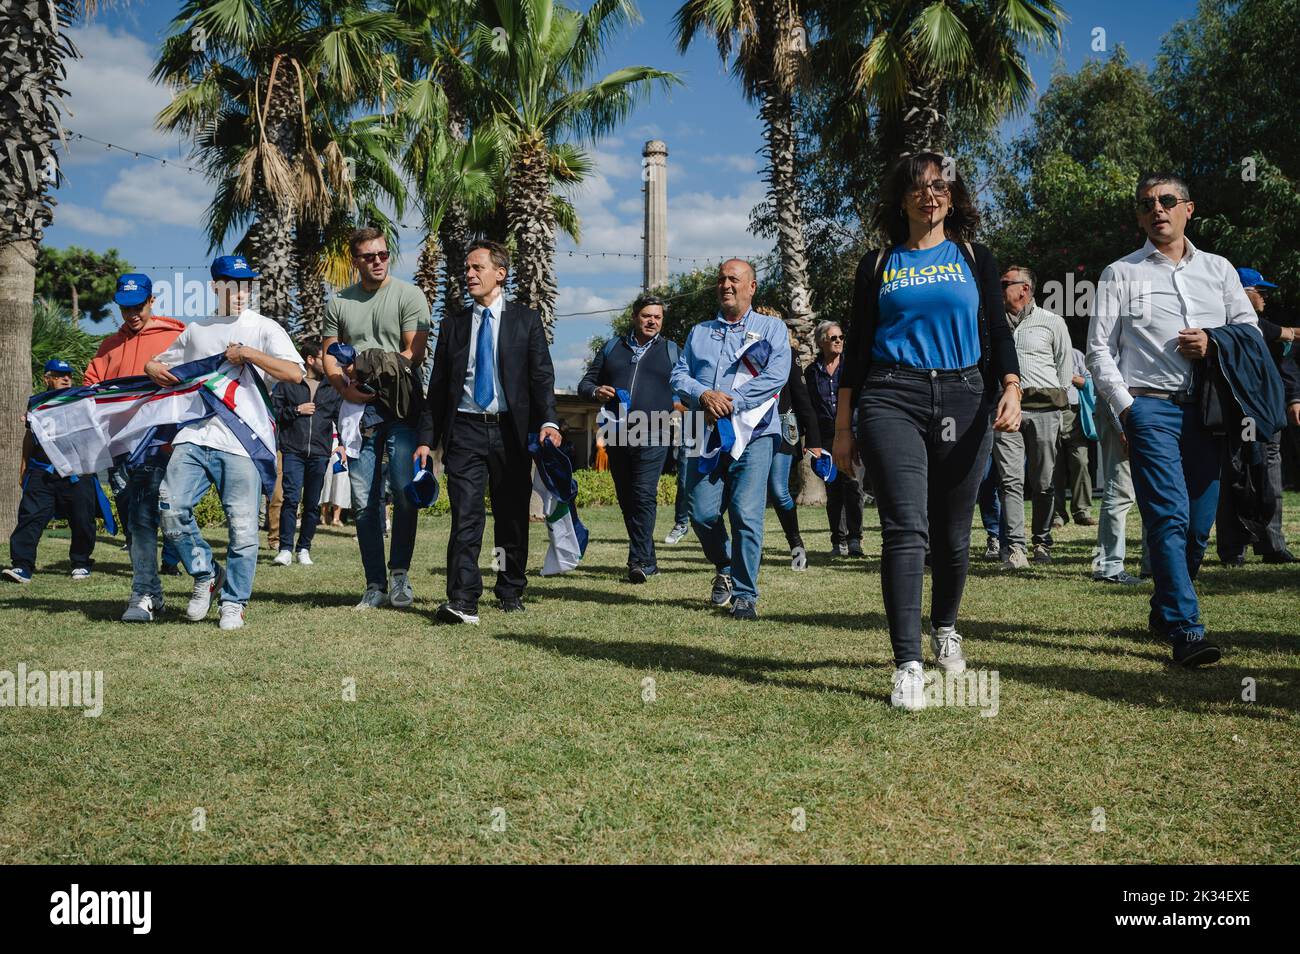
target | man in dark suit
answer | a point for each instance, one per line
(492, 384)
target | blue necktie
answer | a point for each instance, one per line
(484, 363)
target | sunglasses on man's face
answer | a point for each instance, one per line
(1167, 201)
(369, 257)
(834, 337)
(1006, 285)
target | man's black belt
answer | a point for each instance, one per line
(485, 418)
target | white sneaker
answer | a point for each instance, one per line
(400, 593)
(283, 558)
(80, 573)
(909, 687)
(676, 533)
(201, 597)
(946, 643)
(142, 608)
(374, 596)
(304, 557)
(232, 615)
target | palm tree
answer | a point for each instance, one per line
(254, 80)
(770, 42)
(32, 69)
(919, 62)
(533, 59)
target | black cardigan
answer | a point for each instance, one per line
(795, 395)
(997, 346)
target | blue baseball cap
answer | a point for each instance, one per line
(57, 366)
(423, 488)
(133, 289)
(231, 266)
(1251, 278)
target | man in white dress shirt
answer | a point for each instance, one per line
(1147, 330)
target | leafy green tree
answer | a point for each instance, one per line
(78, 279)
(56, 334)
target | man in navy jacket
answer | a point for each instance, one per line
(637, 434)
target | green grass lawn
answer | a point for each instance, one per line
(527, 739)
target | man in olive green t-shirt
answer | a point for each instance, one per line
(379, 311)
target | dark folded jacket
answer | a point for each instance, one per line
(1240, 395)
(391, 377)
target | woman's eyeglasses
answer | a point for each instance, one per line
(1167, 201)
(369, 257)
(938, 187)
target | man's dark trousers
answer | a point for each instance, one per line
(636, 473)
(44, 494)
(1231, 535)
(484, 455)
(301, 479)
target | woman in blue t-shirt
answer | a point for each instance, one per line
(927, 351)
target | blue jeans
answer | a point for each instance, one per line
(778, 482)
(388, 449)
(990, 501)
(742, 486)
(1175, 462)
(189, 474)
(301, 479)
(141, 517)
(682, 503)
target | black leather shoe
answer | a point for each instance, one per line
(639, 573)
(855, 548)
(455, 614)
(1281, 556)
(1238, 560)
(515, 605)
(1195, 651)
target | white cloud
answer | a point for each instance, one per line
(160, 194)
(90, 221)
(110, 96)
(734, 163)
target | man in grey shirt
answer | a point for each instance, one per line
(1026, 459)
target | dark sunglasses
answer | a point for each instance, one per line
(1006, 285)
(1167, 201)
(834, 337)
(371, 256)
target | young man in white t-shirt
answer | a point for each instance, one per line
(208, 454)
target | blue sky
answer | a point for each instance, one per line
(153, 212)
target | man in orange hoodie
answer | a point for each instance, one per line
(142, 337)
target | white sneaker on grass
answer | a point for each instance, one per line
(374, 596)
(232, 615)
(946, 643)
(283, 558)
(909, 687)
(201, 597)
(142, 608)
(676, 533)
(80, 574)
(304, 557)
(400, 593)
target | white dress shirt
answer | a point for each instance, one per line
(1142, 302)
(498, 403)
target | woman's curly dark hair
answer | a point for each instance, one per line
(905, 175)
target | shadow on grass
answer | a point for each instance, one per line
(670, 657)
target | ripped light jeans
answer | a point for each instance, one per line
(190, 472)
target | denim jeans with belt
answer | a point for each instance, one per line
(925, 437)
(1175, 462)
(740, 488)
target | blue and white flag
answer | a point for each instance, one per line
(732, 435)
(87, 429)
(553, 481)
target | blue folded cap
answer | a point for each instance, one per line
(824, 467)
(622, 396)
(423, 489)
(554, 468)
(133, 289)
(57, 366)
(231, 266)
(343, 353)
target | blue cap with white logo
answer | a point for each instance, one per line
(133, 289)
(231, 266)
(57, 366)
(1251, 278)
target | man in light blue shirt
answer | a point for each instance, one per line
(715, 379)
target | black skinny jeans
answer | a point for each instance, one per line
(925, 437)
